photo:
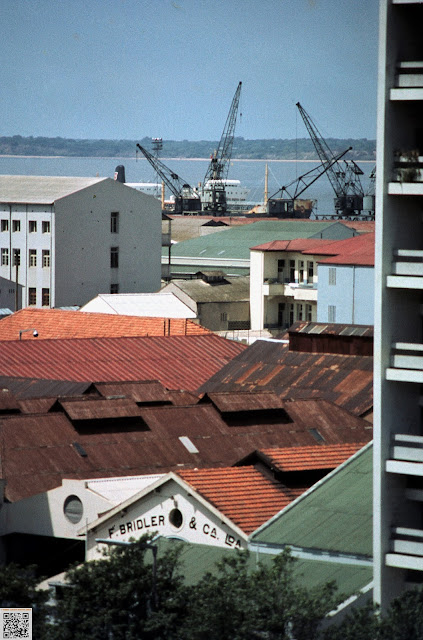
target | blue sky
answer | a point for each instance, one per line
(125, 69)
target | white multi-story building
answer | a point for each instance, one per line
(398, 375)
(64, 240)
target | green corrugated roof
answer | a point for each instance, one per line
(198, 559)
(334, 515)
(236, 242)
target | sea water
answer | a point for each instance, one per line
(251, 173)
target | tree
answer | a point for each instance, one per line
(267, 602)
(114, 597)
(18, 588)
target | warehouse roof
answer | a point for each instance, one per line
(152, 305)
(269, 366)
(334, 515)
(59, 324)
(41, 189)
(229, 290)
(90, 438)
(199, 559)
(179, 362)
(236, 242)
(358, 251)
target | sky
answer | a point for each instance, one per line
(126, 69)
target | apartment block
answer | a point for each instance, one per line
(398, 374)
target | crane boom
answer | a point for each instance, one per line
(186, 199)
(218, 169)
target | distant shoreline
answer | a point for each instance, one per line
(6, 155)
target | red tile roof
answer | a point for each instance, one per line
(243, 494)
(179, 362)
(327, 456)
(61, 324)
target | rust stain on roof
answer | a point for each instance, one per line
(54, 324)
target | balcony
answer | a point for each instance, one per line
(406, 362)
(406, 550)
(298, 291)
(406, 459)
(407, 269)
(409, 81)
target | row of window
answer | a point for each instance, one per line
(32, 257)
(32, 225)
(288, 271)
(45, 296)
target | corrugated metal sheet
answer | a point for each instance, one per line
(25, 388)
(8, 401)
(335, 515)
(39, 450)
(228, 402)
(179, 362)
(333, 329)
(268, 366)
(52, 324)
(142, 391)
(100, 408)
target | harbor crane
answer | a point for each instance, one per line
(291, 206)
(344, 178)
(186, 199)
(214, 193)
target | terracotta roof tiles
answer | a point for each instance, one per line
(243, 494)
(327, 456)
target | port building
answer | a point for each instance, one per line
(65, 239)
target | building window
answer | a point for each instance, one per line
(46, 257)
(223, 316)
(332, 275)
(16, 257)
(5, 225)
(299, 311)
(32, 258)
(5, 257)
(301, 272)
(309, 311)
(32, 226)
(292, 271)
(114, 257)
(16, 225)
(45, 226)
(281, 269)
(114, 288)
(114, 222)
(45, 297)
(32, 296)
(310, 271)
(331, 313)
(281, 313)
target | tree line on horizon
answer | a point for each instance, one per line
(266, 149)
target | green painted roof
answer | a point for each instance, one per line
(334, 515)
(235, 242)
(198, 559)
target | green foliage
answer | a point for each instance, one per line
(361, 624)
(404, 619)
(18, 589)
(114, 598)
(239, 604)
(274, 149)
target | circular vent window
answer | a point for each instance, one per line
(176, 518)
(73, 509)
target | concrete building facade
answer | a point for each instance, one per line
(67, 239)
(398, 432)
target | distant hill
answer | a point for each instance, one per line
(276, 149)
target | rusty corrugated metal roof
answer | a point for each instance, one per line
(269, 366)
(228, 402)
(8, 402)
(52, 324)
(24, 388)
(38, 451)
(100, 408)
(179, 362)
(327, 328)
